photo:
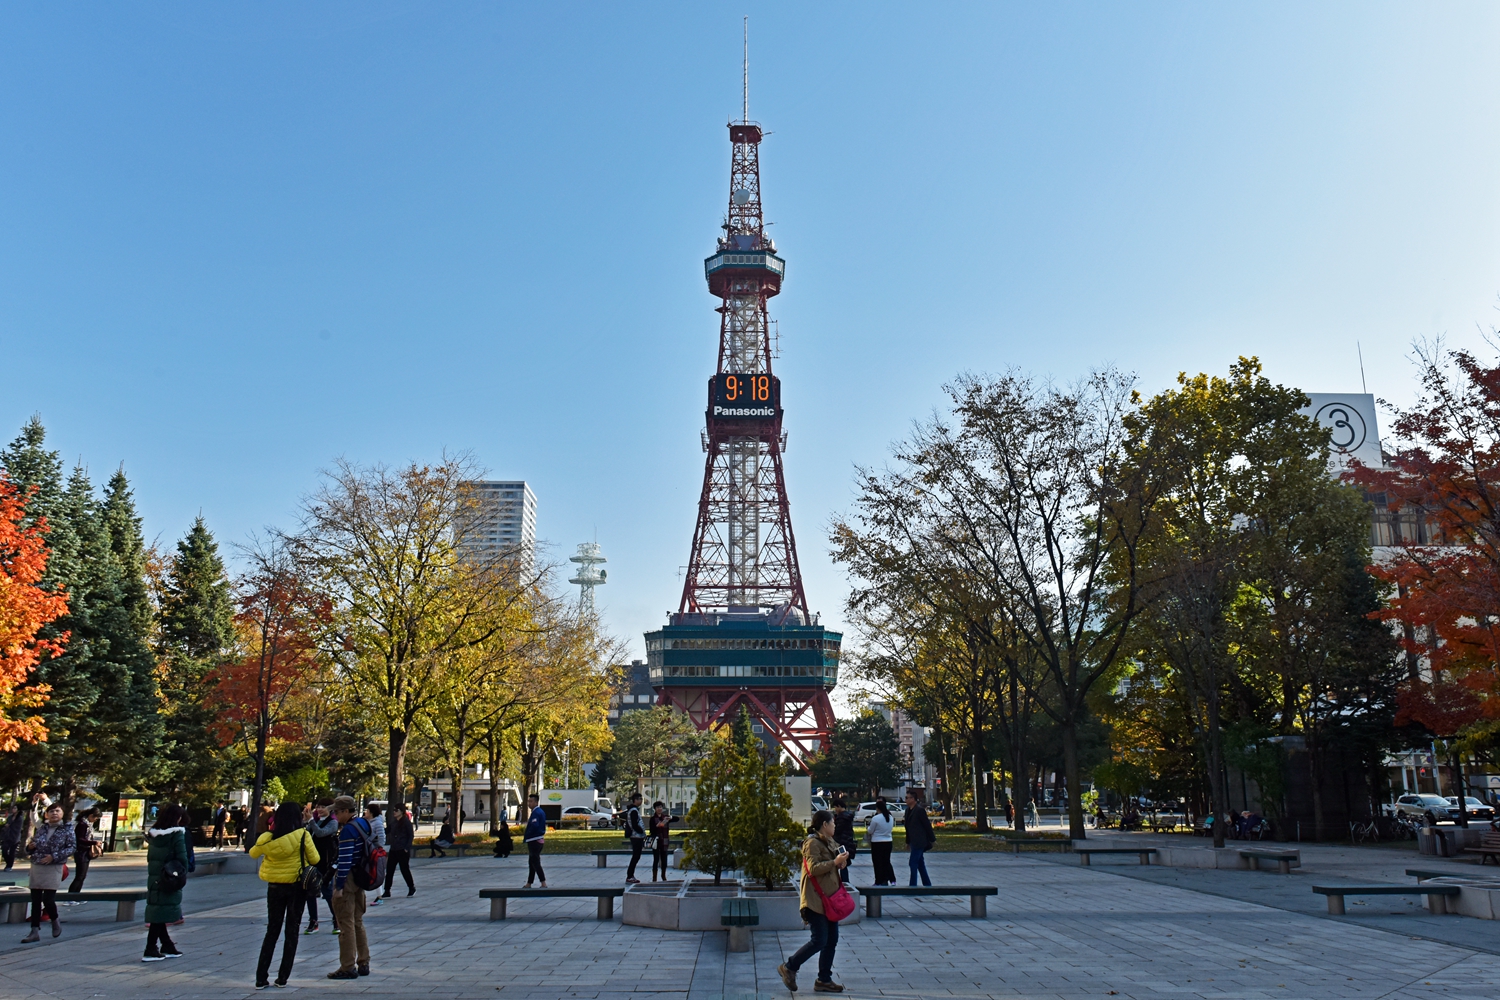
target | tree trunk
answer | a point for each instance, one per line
(1216, 764)
(1461, 792)
(257, 791)
(65, 796)
(491, 744)
(981, 815)
(1071, 777)
(395, 794)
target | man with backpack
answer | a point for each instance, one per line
(636, 831)
(361, 867)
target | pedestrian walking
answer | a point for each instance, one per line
(221, 819)
(86, 848)
(13, 833)
(400, 835)
(919, 838)
(661, 838)
(822, 860)
(166, 874)
(48, 850)
(879, 832)
(324, 830)
(503, 841)
(843, 833)
(377, 830)
(535, 836)
(636, 831)
(355, 841)
(284, 851)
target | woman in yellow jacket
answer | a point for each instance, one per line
(822, 860)
(283, 850)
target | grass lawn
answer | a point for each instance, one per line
(949, 840)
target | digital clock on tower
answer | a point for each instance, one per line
(751, 396)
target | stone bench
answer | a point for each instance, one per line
(210, 862)
(1016, 843)
(739, 915)
(1436, 894)
(461, 850)
(1084, 853)
(124, 900)
(601, 858)
(1489, 847)
(976, 894)
(1283, 859)
(499, 897)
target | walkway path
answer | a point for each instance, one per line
(1056, 930)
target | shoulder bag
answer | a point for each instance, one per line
(835, 907)
(308, 875)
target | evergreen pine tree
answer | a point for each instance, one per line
(196, 628)
(766, 838)
(710, 848)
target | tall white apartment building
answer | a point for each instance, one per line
(911, 741)
(502, 524)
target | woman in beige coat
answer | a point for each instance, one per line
(822, 860)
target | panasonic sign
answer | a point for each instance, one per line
(744, 411)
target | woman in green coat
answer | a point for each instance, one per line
(166, 841)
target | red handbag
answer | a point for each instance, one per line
(835, 907)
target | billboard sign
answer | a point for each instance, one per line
(1350, 419)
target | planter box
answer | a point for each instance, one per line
(696, 904)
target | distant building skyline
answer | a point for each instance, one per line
(503, 525)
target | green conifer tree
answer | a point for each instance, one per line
(766, 838)
(196, 628)
(710, 848)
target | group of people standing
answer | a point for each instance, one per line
(657, 829)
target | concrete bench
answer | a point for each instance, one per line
(1084, 853)
(1017, 843)
(1436, 894)
(1283, 859)
(739, 915)
(210, 862)
(976, 893)
(601, 858)
(1489, 847)
(124, 900)
(1422, 874)
(499, 897)
(462, 850)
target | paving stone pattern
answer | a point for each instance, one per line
(1055, 930)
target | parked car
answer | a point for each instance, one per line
(867, 810)
(1476, 809)
(584, 816)
(818, 802)
(1433, 808)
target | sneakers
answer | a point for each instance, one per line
(153, 956)
(281, 984)
(174, 953)
(386, 894)
(364, 970)
(411, 890)
(311, 929)
(262, 986)
(376, 901)
(632, 881)
(35, 935)
(335, 930)
(343, 974)
(787, 976)
(819, 986)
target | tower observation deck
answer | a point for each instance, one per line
(743, 635)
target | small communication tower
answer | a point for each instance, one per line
(589, 576)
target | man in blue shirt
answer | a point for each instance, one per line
(535, 836)
(348, 897)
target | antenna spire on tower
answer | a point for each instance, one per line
(745, 111)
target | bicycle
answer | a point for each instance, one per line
(1361, 832)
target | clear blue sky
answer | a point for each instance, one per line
(237, 242)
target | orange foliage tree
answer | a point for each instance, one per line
(280, 619)
(1445, 479)
(24, 609)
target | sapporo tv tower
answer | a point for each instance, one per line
(742, 634)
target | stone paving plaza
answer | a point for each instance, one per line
(1055, 930)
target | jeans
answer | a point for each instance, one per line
(880, 856)
(349, 908)
(327, 894)
(43, 899)
(918, 866)
(283, 914)
(636, 846)
(844, 871)
(825, 938)
(157, 940)
(8, 852)
(81, 867)
(401, 859)
(659, 858)
(534, 862)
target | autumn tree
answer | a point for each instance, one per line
(864, 756)
(1443, 484)
(282, 621)
(25, 610)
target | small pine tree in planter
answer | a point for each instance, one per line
(710, 848)
(766, 838)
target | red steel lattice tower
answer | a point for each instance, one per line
(743, 634)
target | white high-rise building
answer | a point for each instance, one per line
(502, 525)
